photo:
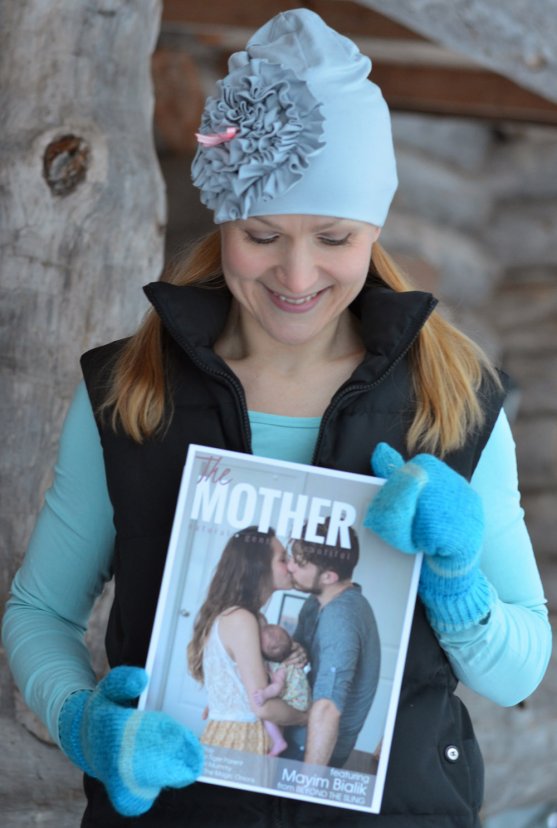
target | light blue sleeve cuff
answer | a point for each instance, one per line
(506, 658)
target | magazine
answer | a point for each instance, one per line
(335, 588)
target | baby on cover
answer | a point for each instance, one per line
(287, 681)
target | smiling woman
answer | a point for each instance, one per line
(288, 319)
(293, 290)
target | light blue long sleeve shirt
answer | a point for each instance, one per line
(69, 560)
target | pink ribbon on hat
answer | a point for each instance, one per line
(216, 138)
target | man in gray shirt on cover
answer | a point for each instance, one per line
(338, 631)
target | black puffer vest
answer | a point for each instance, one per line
(424, 787)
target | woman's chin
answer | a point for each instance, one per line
(293, 335)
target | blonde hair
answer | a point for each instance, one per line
(448, 368)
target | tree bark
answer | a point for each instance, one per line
(82, 214)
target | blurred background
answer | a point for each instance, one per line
(95, 202)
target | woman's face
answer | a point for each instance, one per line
(293, 276)
(282, 579)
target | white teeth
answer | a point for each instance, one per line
(302, 301)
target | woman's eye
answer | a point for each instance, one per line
(334, 242)
(261, 239)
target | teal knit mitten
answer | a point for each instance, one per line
(133, 753)
(427, 507)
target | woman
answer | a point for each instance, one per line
(289, 333)
(225, 652)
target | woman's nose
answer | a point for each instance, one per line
(298, 272)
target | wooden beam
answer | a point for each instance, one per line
(471, 93)
(230, 39)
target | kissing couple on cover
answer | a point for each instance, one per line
(251, 670)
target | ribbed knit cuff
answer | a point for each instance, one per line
(451, 610)
(69, 728)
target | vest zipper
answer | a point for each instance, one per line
(357, 388)
(276, 812)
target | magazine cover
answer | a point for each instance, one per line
(281, 629)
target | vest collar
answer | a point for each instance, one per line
(390, 321)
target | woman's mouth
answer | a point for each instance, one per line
(301, 301)
(295, 304)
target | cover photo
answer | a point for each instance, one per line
(281, 628)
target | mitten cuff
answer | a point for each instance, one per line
(69, 728)
(455, 612)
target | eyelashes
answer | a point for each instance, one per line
(261, 240)
(323, 239)
(335, 242)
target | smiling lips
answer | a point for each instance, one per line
(295, 304)
(301, 301)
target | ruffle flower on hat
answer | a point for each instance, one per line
(279, 128)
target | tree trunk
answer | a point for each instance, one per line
(82, 215)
